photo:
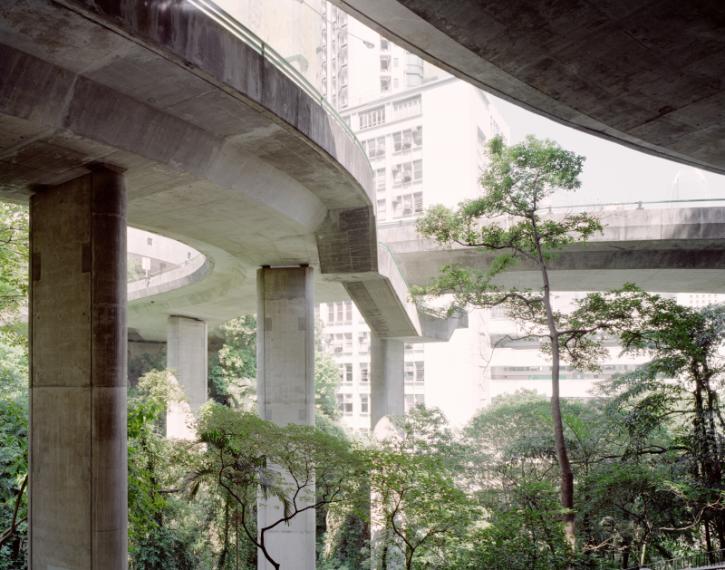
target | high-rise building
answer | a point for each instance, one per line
(424, 132)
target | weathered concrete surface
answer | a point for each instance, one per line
(645, 74)
(667, 250)
(78, 472)
(387, 386)
(186, 358)
(222, 150)
(286, 393)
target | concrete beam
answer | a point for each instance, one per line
(78, 455)
(286, 392)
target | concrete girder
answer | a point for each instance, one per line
(666, 250)
(221, 149)
(644, 74)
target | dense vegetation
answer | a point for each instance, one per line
(644, 458)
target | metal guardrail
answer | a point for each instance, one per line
(696, 561)
(267, 52)
(639, 205)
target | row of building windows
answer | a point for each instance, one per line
(403, 141)
(407, 173)
(345, 403)
(339, 313)
(341, 343)
(403, 206)
(408, 107)
(414, 372)
(566, 372)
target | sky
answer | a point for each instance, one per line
(613, 172)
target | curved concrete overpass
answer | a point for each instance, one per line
(644, 74)
(666, 250)
(169, 117)
(221, 150)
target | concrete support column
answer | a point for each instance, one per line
(186, 357)
(78, 453)
(387, 384)
(286, 391)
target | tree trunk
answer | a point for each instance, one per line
(566, 476)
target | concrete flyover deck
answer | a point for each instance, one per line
(644, 74)
(665, 250)
(221, 150)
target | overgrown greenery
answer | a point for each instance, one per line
(647, 456)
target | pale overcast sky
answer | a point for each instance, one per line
(612, 172)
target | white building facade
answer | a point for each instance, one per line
(424, 132)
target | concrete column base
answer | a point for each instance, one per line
(78, 452)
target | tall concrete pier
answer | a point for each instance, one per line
(186, 358)
(286, 392)
(78, 463)
(387, 388)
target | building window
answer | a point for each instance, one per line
(364, 372)
(408, 139)
(372, 118)
(407, 205)
(339, 313)
(384, 63)
(413, 401)
(384, 44)
(415, 372)
(385, 84)
(346, 373)
(380, 180)
(375, 148)
(382, 214)
(347, 342)
(407, 107)
(364, 404)
(344, 404)
(406, 173)
(363, 341)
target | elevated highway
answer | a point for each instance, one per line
(678, 249)
(644, 74)
(172, 117)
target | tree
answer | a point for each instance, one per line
(300, 466)
(13, 259)
(156, 539)
(234, 367)
(686, 347)
(418, 508)
(507, 222)
(13, 451)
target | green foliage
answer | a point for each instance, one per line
(233, 370)
(156, 539)
(327, 379)
(13, 259)
(301, 467)
(13, 452)
(419, 510)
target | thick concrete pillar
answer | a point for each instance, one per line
(186, 357)
(387, 384)
(78, 454)
(286, 392)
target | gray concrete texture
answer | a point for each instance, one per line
(78, 463)
(221, 149)
(387, 388)
(667, 250)
(645, 74)
(286, 393)
(186, 357)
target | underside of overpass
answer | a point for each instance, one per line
(645, 74)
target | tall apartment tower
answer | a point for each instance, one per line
(424, 133)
